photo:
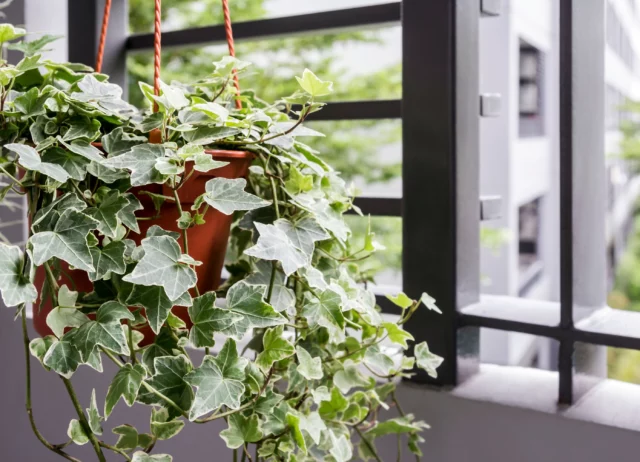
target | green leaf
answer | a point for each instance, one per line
(107, 213)
(219, 381)
(73, 164)
(67, 241)
(46, 218)
(94, 90)
(427, 360)
(82, 128)
(14, 285)
(140, 161)
(242, 430)
(83, 148)
(303, 234)
(321, 394)
(212, 110)
(119, 142)
(77, 433)
(204, 136)
(105, 331)
(93, 416)
(155, 302)
(107, 260)
(297, 182)
(282, 298)
(127, 213)
(207, 319)
(165, 344)
(313, 85)
(163, 428)
(247, 301)
(63, 357)
(161, 266)
(125, 384)
(396, 426)
(397, 334)
(171, 98)
(349, 377)
(169, 379)
(274, 244)
(275, 348)
(39, 347)
(128, 437)
(227, 196)
(31, 103)
(267, 402)
(401, 300)
(378, 361)
(337, 404)
(10, 32)
(293, 420)
(310, 368)
(144, 457)
(34, 46)
(325, 311)
(205, 162)
(313, 425)
(30, 160)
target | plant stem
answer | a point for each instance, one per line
(132, 350)
(4, 170)
(185, 241)
(115, 449)
(83, 420)
(235, 455)
(370, 446)
(57, 448)
(274, 269)
(246, 452)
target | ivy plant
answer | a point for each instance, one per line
(298, 361)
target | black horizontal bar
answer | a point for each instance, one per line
(554, 332)
(379, 206)
(359, 110)
(339, 19)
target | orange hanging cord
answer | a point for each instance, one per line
(103, 35)
(157, 45)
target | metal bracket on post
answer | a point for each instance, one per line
(490, 104)
(490, 208)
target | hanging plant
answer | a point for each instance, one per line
(126, 243)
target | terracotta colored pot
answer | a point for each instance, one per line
(207, 242)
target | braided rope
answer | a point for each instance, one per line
(103, 35)
(232, 51)
(157, 52)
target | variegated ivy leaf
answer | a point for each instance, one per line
(379, 361)
(93, 415)
(46, 218)
(9, 32)
(303, 234)
(275, 348)
(76, 433)
(161, 266)
(107, 260)
(73, 164)
(162, 427)
(219, 381)
(228, 195)
(212, 110)
(141, 162)
(29, 158)
(397, 334)
(397, 425)
(62, 317)
(313, 85)
(155, 302)
(275, 244)
(125, 384)
(169, 379)
(83, 148)
(242, 430)
(205, 162)
(128, 213)
(91, 89)
(34, 46)
(67, 241)
(325, 311)
(247, 301)
(82, 128)
(426, 360)
(106, 174)
(326, 216)
(106, 331)
(119, 142)
(31, 103)
(207, 319)
(14, 284)
(39, 347)
(107, 212)
(310, 368)
(208, 135)
(140, 456)
(63, 357)
(282, 298)
(349, 377)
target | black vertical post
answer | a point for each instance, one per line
(440, 116)
(85, 22)
(565, 361)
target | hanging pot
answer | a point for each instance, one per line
(207, 242)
